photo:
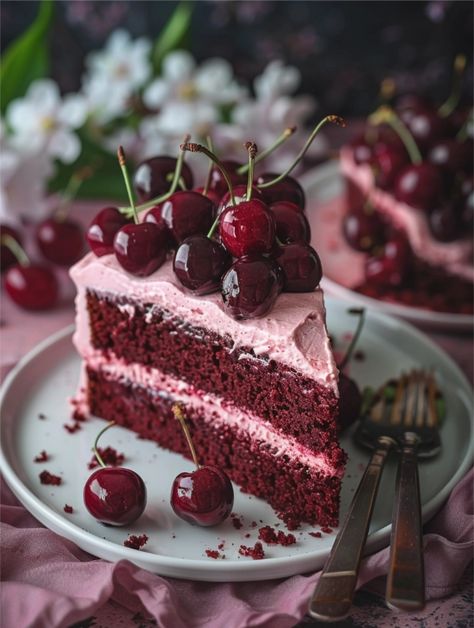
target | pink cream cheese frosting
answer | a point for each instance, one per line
(455, 257)
(293, 332)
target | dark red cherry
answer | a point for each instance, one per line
(350, 402)
(188, 213)
(301, 266)
(7, 258)
(412, 102)
(288, 189)
(204, 497)
(420, 186)
(291, 223)
(153, 177)
(426, 126)
(391, 266)
(115, 496)
(32, 286)
(452, 156)
(445, 223)
(101, 232)
(361, 150)
(250, 287)
(247, 228)
(387, 161)
(154, 216)
(199, 264)
(141, 249)
(240, 195)
(363, 229)
(60, 241)
(218, 183)
(211, 194)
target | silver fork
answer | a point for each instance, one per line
(407, 423)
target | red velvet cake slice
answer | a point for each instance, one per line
(261, 395)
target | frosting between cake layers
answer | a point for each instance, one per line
(455, 257)
(293, 333)
(211, 406)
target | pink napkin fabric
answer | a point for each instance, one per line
(48, 581)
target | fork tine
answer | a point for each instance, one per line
(421, 401)
(397, 406)
(411, 397)
(432, 414)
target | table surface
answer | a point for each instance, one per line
(20, 331)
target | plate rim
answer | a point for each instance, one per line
(420, 316)
(171, 566)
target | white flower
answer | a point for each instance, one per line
(276, 80)
(115, 73)
(42, 121)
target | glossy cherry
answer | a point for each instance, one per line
(362, 150)
(218, 183)
(426, 126)
(350, 402)
(301, 266)
(288, 189)
(101, 232)
(141, 248)
(363, 229)
(153, 177)
(214, 196)
(250, 287)
(60, 241)
(187, 213)
(445, 223)
(452, 156)
(291, 223)
(115, 496)
(240, 195)
(7, 257)
(420, 186)
(32, 286)
(387, 161)
(391, 265)
(247, 228)
(199, 263)
(203, 497)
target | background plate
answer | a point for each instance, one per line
(325, 183)
(44, 380)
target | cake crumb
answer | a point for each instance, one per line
(110, 456)
(359, 355)
(254, 524)
(72, 428)
(42, 457)
(270, 536)
(48, 478)
(256, 552)
(248, 535)
(68, 509)
(317, 535)
(327, 530)
(221, 545)
(236, 521)
(214, 554)
(136, 542)
(41, 416)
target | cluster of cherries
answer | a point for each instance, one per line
(33, 285)
(243, 236)
(424, 157)
(117, 496)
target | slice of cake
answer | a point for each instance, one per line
(261, 395)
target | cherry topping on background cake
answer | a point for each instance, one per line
(386, 163)
(203, 497)
(7, 257)
(445, 223)
(391, 265)
(426, 126)
(31, 286)
(350, 397)
(114, 496)
(291, 223)
(140, 248)
(452, 156)
(363, 228)
(153, 176)
(301, 266)
(101, 232)
(250, 287)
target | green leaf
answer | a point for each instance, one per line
(173, 34)
(26, 59)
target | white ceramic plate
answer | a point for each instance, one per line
(325, 183)
(45, 379)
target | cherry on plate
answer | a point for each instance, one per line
(32, 286)
(60, 241)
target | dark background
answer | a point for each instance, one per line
(343, 49)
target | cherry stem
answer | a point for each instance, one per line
(387, 89)
(179, 415)
(199, 148)
(95, 448)
(16, 248)
(454, 97)
(360, 312)
(123, 167)
(276, 144)
(386, 115)
(333, 119)
(463, 132)
(252, 151)
(207, 182)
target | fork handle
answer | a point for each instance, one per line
(406, 577)
(332, 598)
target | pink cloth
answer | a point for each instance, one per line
(48, 581)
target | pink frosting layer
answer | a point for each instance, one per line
(211, 406)
(454, 257)
(293, 333)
